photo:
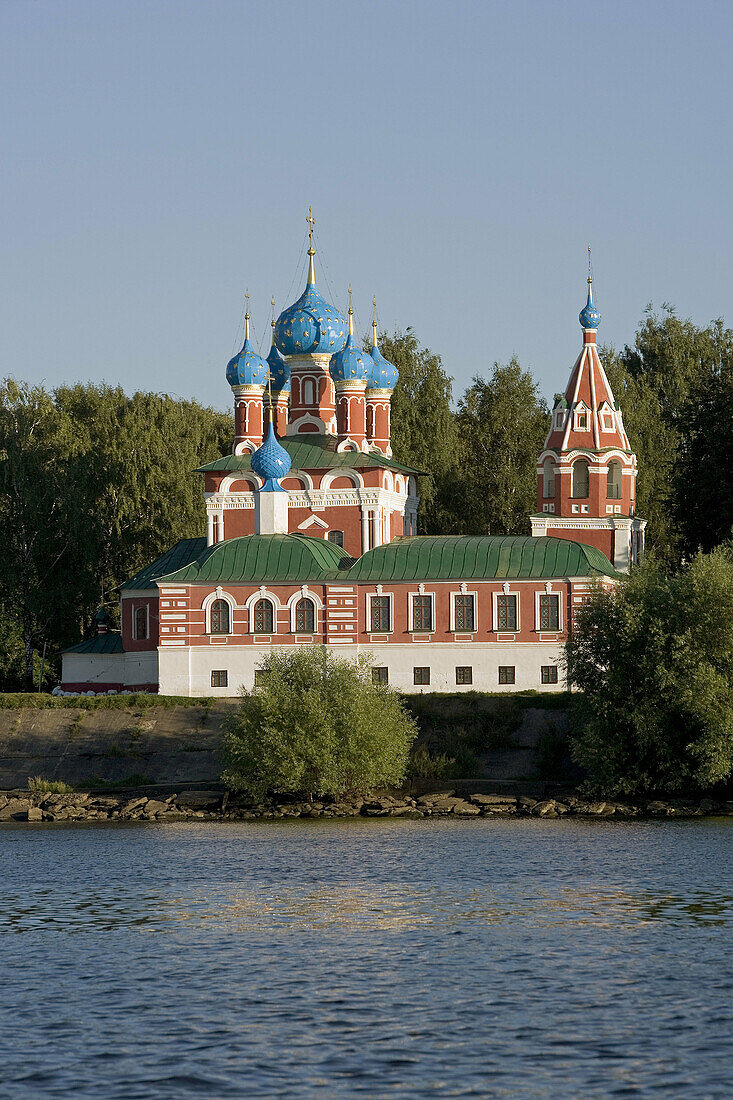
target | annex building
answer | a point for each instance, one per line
(311, 536)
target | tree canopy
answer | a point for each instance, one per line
(653, 662)
(316, 724)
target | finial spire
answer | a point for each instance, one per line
(246, 316)
(272, 322)
(590, 276)
(269, 396)
(374, 322)
(351, 315)
(311, 250)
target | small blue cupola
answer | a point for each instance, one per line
(247, 368)
(589, 316)
(311, 325)
(352, 364)
(271, 462)
(383, 375)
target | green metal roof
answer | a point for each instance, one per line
(478, 557)
(263, 559)
(184, 552)
(103, 643)
(320, 453)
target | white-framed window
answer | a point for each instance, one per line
(559, 419)
(218, 609)
(309, 392)
(463, 612)
(379, 613)
(581, 478)
(219, 678)
(421, 612)
(582, 417)
(304, 615)
(548, 478)
(549, 674)
(506, 612)
(264, 616)
(613, 480)
(141, 622)
(336, 537)
(548, 611)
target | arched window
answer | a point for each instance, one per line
(580, 478)
(141, 623)
(613, 480)
(264, 617)
(220, 617)
(309, 392)
(305, 616)
(336, 537)
(548, 478)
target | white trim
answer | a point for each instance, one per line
(262, 594)
(410, 614)
(305, 594)
(368, 619)
(206, 606)
(343, 471)
(506, 591)
(537, 596)
(452, 610)
(313, 521)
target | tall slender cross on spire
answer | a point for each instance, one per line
(311, 250)
(590, 277)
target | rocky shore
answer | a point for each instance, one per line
(211, 805)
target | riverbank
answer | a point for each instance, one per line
(213, 805)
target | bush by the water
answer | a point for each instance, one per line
(653, 660)
(318, 724)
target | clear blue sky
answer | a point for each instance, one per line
(160, 156)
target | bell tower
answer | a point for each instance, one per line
(586, 473)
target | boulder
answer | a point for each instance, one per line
(153, 806)
(659, 809)
(465, 809)
(498, 800)
(526, 802)
(34, 813)
(133, 804)
(14, 807)
(200, 800)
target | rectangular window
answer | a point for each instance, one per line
(260, 676)
(380, 675)
(379, 614)
(336, 537)
(549, 674)
(506, 607)
(549, 612)
(506, 674)
(421, 676)
(465, 619)
(422, 612)
(219, 678)
(464, 674)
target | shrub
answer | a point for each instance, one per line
(316, 723)
(53, 786)
(654, 662)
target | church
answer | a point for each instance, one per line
(312, 536)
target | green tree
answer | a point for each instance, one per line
(503, 424)
(653, 381)
(653, 660)
(703, 481)
(424, 433)
(316, 724)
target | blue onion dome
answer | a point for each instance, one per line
(383, 375)
(310, 325)
(271, 461)
(589, 316)
(352, 364)
(247, 368)
(280, 371)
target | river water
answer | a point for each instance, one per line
(369, 958)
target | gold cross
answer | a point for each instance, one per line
(311, 222)
(246, 294)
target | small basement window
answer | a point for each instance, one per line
(549, 674)
(507, 674)
(464, 674)
(219, 678)
(421, 676)
(380, 675)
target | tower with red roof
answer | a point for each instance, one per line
(586, 473)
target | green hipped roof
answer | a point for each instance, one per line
(103, 643)
(319, 454)
(184, 552)
(263, 559)
(285, 559)
(478, 557)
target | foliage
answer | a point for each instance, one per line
(424, 433)
(503, 424)
(703, 485)
(93, 484)
(53, 786)
(424, 764)
(138, 701)
(318, 724)
(654, 663)
(552, 752)
(657, 383)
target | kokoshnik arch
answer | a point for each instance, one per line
(311, 536)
